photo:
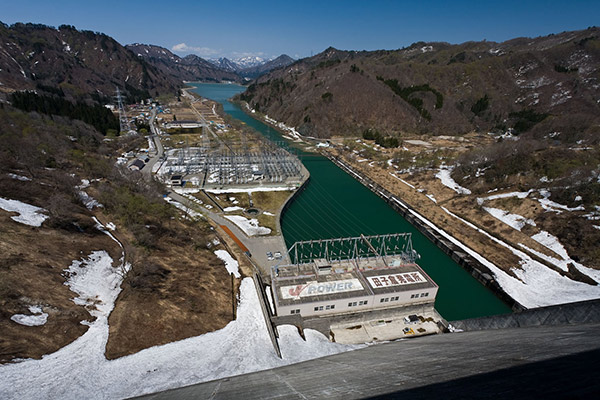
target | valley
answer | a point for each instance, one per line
(182, 214)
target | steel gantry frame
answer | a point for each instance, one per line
(354, 248)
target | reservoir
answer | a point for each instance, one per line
(336, 205)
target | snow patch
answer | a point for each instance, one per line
(28, 214)
(185, 209)
(249, 226)
(231, 263)
(550, 205)
(80, 370)
(536, 285)
(38, 318)
(96, 283)
(88, 201)
(402, 180)
(444, 175)
(232, 209)
(513, 220)
(19, 177)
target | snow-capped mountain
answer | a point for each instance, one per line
(238, 64)
(249, 61)
(225, 64)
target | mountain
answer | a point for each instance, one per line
(188, 68)
(225, 64)
(254, 72)
(75, 63)
(252, 67)
(546, 84)
(249, 62)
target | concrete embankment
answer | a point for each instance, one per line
(581, 312)
(466, 261)
(291, 199)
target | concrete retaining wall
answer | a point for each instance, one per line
(582, 312)
(470, 264)
(266, 311)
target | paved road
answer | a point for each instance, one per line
(147, 170)
(542, 362)
(258, 246)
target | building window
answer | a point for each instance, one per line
(332, 306)
(294, 311)
(394, 298)
(316, 308)
(363, 303)
(328, 307)
(381, 300)
(320, 308)
(424, 294)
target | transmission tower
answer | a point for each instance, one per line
(123, 122)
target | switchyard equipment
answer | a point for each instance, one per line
(234, 163)
(351, 275)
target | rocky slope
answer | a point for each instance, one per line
(188, 68)
(226, 64)
(78, 62)
(254, 72)
(441, 88)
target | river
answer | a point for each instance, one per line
(336, 205)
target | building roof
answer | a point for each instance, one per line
(304, 284)
(138, 164)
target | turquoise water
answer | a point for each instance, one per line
(336, 205)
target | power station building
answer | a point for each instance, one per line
(351, 275)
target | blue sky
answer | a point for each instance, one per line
(268, 28)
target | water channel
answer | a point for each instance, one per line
(336, 205)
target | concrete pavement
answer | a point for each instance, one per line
(542, 362)
(147, 170)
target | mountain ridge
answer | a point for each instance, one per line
(79, 63)
(188, 68)
(435, 87)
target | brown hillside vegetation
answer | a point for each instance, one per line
(176, 287)
(439, 88)
(32, 259)
(176, 290)
(75, 63)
